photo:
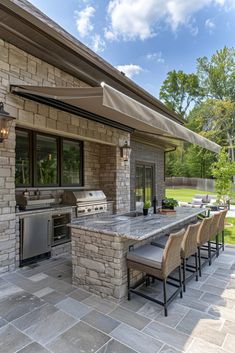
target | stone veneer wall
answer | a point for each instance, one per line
(7, 204)
(147, 154)
(18, 67)
(99, 261)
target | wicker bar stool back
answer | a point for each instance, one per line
(171, 258)
(188, 249)
(221, 227)
(214, 232)
(157, 263)
(203, 237)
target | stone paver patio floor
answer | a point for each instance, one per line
(40, 311)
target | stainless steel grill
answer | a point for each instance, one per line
(87, 201)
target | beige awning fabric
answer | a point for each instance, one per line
(107, 102)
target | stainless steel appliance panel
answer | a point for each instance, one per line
(35, 235)
(87, 201)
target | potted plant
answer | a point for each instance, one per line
(146, 207)
(169, 203)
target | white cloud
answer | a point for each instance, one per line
(97, 43)
(130, 70)
(157, 57)
(210, 25)
(137, 19)
(83, 21)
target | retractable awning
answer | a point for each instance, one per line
(117, 107)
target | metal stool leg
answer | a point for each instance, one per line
(223, 239)
(184, 274)
(199, 262)
(128, 284)
(217, 244)
(180, 280)
(196, 265)
(165, 297)
(209, 252)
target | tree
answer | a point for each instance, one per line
(223, 170)
(217, 75)
(208, 100)
(179, 91)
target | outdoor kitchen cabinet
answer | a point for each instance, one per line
(35, 236)
(61, 232)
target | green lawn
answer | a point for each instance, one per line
(185, 195)
(229, 230)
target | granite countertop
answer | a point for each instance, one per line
(136, 228)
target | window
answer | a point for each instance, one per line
(71, 162)
(144, 186)
(23, 167)
(46, 160)
(46, 166)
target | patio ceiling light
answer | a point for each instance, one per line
(125, 151)
(5, 123)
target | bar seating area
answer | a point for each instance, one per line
(173, 256)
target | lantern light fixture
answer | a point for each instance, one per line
(5, 123)
(125, 151)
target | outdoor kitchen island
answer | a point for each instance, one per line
(100, 245)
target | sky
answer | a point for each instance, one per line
(146, 39)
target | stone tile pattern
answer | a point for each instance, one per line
(18, 67)
(83, 322)
(154, 156)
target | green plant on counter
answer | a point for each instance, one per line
(147, 204)
(170, 203)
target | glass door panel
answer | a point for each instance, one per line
(149, 183)
(139, 190)
(144, 184)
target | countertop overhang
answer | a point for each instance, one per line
(137, 228)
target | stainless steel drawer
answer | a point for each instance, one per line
(35, 235)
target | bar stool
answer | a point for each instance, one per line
(203, 237)
(214, 239)
(157, 263)
(221, 229)
(188, 249)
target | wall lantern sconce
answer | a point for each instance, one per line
(125, 152)
(5, 123)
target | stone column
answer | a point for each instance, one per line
(7, 204)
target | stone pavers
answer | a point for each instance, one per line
(41, 312)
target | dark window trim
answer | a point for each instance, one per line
(144, 164)
(39, 133)
(32, 155)
(81, 171)
(29, 132)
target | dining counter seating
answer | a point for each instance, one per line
(221, 228)
(203, 237)
(158, 263)
(214, 234)
(189, 249)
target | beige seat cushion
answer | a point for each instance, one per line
(148, 255)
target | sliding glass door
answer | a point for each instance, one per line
(144, 183)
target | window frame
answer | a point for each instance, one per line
(146, 164)
(34, 161)
(59, 148)
(30, 144)
(81, 169)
